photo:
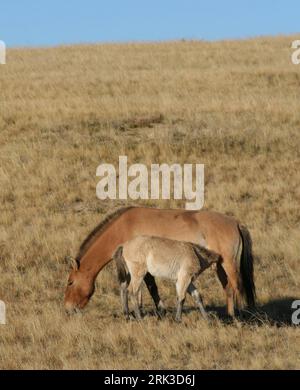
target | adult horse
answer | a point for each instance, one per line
(215, 231)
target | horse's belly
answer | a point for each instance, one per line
(162, 269)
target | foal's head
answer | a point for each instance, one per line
(79, 289)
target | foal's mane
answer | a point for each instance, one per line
(95, 233)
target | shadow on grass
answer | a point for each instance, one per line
(277, 312)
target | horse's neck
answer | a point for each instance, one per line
(101, 251)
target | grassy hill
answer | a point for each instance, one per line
(232, 105)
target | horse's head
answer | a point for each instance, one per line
(79, 289)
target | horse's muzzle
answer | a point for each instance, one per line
(70, 309)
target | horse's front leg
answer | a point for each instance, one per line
(153, 290)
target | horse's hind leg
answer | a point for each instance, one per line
(197, 298)
(152, 287)
(238, 302)
(227, 289)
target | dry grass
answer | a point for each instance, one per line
(233, 106)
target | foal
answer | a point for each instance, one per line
(180, 261)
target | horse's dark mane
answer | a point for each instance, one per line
(94, 234)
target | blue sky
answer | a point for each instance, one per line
(54, 22)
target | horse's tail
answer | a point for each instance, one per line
(247, 266)
(121, 265)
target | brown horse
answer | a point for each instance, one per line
(217, 232)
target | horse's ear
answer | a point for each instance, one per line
(74, 263)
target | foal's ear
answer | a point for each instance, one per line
(214, 260)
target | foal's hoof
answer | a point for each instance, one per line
(161, 312)
(204, 317)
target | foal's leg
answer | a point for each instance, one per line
(134, 288)
(124, 299)
(197, 298)
(152, 287)
(182, 284)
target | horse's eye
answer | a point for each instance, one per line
(70, 282)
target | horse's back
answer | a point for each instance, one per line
(212, 229)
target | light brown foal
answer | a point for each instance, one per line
(180, 261)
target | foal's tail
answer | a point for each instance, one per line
(247, 267)
(205, 256)
(121, 266)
